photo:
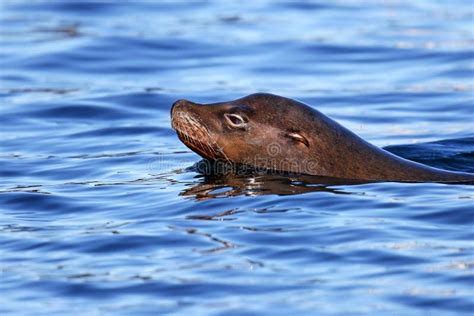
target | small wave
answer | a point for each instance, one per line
(451, 154)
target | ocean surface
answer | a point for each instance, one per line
(103, 211)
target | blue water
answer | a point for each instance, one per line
(103, 213)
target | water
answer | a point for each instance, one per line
(103, 214)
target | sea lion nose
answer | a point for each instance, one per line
(180, 104)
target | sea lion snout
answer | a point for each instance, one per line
(189, 123)
(179, 111)
(181, 104)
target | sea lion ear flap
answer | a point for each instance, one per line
(296, 136)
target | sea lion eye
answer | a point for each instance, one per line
(235, 120)
(298, 137)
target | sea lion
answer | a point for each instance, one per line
(276, 133)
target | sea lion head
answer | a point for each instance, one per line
(276, 133)
(262, 130)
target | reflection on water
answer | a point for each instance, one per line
(225, 180)
(103, 213)
(233, 185)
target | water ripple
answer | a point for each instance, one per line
(104, 212)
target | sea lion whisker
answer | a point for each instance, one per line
(195, 133)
